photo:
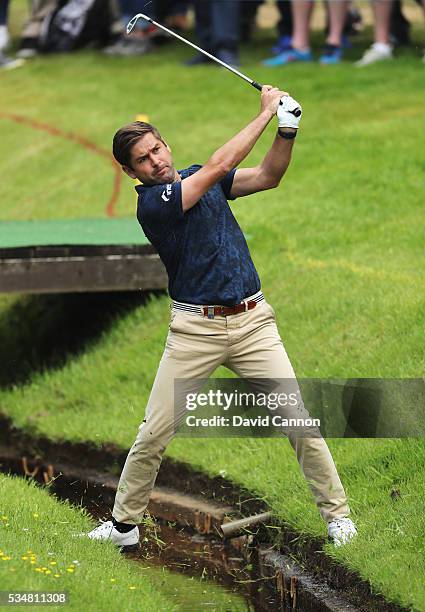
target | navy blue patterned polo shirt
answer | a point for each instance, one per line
(204, 250)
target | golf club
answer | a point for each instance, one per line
(258, 86)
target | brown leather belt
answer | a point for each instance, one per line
(215, 311)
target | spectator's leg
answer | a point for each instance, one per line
(382, 15)
(399, 25)
(203, 25)
(4, 9)
(248, 19)
(337, 16)
(381, 48)
(301, 15)
(225, 16)
(284, 27)
(300, 49)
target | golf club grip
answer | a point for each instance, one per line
(257, 85)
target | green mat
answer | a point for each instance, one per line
(71, 232)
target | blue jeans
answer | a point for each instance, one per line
(4, 6)
(217, 24)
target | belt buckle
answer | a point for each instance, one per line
(210, 312)
(222, 311)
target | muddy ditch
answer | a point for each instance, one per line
(273, 569)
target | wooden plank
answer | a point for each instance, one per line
(75, 250)
(82, 274)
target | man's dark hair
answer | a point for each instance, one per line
(127, 136)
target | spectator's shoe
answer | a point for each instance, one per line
(288, 57)
(28, 48)
(228, 57)
(7, 63)
(399, 27)
(376, 53)
(126, 47)
(341, 531)
(283, 44)
(331, 55)
(126, 541)
(198, 60)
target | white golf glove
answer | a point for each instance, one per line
(289, 113)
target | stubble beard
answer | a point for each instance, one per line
(167, 177)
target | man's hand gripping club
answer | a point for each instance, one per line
(231, 154)
(278, 102)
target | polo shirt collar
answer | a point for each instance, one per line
(140, 188)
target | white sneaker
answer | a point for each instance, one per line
(107, 531)
(341, 531)
(26, 53)
(128, 46)
(8, 63)
(376, 53)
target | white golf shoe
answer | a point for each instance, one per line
(341, 531)
(376, 53)
(106, 531)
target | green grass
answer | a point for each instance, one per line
(38, 554)
(339, 248)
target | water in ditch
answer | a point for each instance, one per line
(190, 593)
(199, 572)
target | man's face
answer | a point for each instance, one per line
(151, 161)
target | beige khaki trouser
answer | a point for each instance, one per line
(249, 344)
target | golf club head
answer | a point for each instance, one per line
(134, 20)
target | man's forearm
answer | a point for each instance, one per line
(236, 149)
(277, 159)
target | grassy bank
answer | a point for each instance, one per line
(40, 551)
(101, 396)
(39, 554)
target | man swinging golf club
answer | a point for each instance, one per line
(219, 315)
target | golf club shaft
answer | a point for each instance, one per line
(133, 21)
